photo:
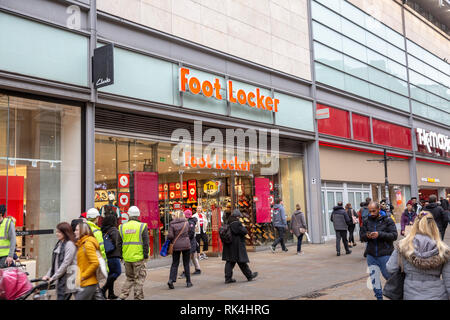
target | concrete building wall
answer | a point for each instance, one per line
(387, 11)
(426, 35)
(273, 33)
(352, 166)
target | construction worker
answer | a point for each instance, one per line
(92, 220)
(7, 239)
(135, 251)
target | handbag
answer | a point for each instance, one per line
(165, 248)
(170, 249)
(393, 289)
(101, 272)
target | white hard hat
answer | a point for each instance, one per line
(111, 197)
(92, 213)
(134, 211)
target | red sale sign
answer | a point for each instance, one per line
(124, 180)
(124, 199)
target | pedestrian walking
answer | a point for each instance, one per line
(134, 239)
(298, 227)
(341, 221)
(425, 258)
(62, 258)
(236, 251)
(407, 220)
(194, 244)
(279, 222)
(179, 237)
(380, 233)
(87, 262)
(438, 214)
(416, 206)
(7, 239)
(113, 249)
(444, 204)
(353, 222)
(200, 231)
(93, 217)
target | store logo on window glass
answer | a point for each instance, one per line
(213, 89)
(197, 154)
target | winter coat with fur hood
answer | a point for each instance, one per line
(423, 271)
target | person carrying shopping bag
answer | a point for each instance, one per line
(62, 258)
(88, 263)
(298, 227)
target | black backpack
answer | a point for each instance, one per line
(225, 233)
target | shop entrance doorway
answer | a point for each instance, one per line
(424, 194)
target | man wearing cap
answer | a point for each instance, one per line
(135, 251)
(92, 220)
(7, 239)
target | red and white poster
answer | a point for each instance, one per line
(124, 180)
(124, 199)
(192, 190)
(172, 186)
(398, 194)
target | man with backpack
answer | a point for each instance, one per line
(234, 250)
(280, 224)
(363, 213)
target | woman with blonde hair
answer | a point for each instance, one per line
(425, 257)
(87, 262)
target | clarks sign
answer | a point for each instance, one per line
(253, 98)
(433, 141)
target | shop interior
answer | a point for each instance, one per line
(181, 187)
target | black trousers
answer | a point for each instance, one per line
(341, 234)
(176, 262)
(442, 231)
(229, 266)
(351, 237)
(280, 238)
(202, 236)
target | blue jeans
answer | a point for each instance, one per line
(115, 270)
(299, 242)
(377, 265)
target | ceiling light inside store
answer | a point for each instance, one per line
(141, 153)
(113, 159)
(135, 155)
(99, 170)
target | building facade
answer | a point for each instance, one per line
(188, 71)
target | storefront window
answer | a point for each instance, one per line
(40, 172)
(183, 186)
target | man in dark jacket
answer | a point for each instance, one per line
(236, 252)
(341, 221)
(380, 233)
(279, 222)
(438, 214)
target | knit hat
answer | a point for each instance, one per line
(236, 213)
(188, 213)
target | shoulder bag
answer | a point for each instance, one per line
(170, 249)
(393, 289)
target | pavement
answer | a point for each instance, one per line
(317, 275)
(282, 275)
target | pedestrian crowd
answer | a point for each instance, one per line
(87, 252)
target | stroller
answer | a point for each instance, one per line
(14, 285)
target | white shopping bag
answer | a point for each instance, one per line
(308, 237)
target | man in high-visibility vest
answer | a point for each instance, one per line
(135, 251)
(92, 220)
(7, 239)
